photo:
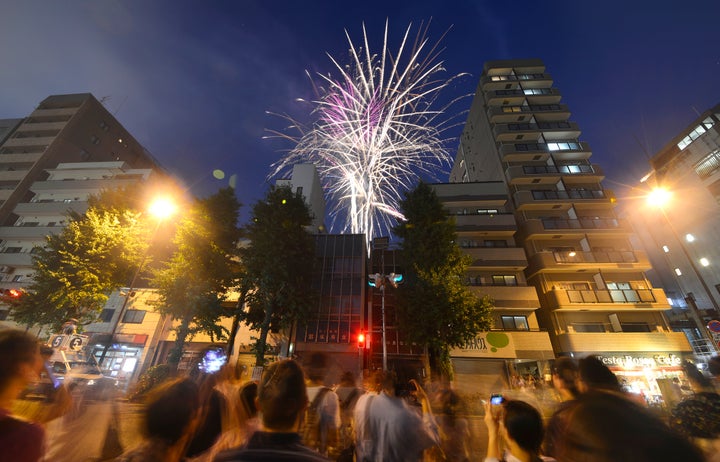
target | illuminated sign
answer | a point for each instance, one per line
(629, 361)
(487, 345)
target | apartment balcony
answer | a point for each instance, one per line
(502, 223)
(49, 208)
(551, 174)
(542, 95)
(41, 126)
(542, 199)
(529, 343)
(52, 113)
(21, 158)
(544, 228)
(81, 186)
(510, 258)
(560, 262)
(498, 82)
(505, 97)
(524, 152)
(10, 261)
(542, 113)
(508, 297)
(12, 175)
(6, 193)
(28, 232)
(28, 142)
(550, 130)
(608, 299)
(623, 342)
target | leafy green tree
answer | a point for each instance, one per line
(434, 308)
(77, 268)
(279, 264)
(193, 284)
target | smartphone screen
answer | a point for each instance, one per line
(51, 375)
(496, 399)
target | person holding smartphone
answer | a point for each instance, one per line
(516, 426)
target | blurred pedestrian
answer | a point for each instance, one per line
(20, 365)
(348, 393)
(170, 417)
(594, 375)
(282, 400)
(608, 427)
(518, 427)
(322, 418)
(565, 378)
(454, 429)
(245, 423)
(698, 416)
(213, 406)
(389, 429)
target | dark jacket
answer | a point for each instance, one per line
(266, 446)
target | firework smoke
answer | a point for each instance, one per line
(375, 130)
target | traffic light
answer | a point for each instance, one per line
(361, 340)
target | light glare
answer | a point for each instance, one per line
(163, 208)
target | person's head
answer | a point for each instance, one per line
(282, 395)
(248, 394)
(171, 410)
(20, 359)
(594, 375)
(697, 380)
(347, 379)
(714, 366)
(317, 367)
(608, 427)
(522, 423)
(564, 375)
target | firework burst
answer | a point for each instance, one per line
(375, 129)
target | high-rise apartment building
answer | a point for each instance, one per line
(682, 234)
(515, 347)
(50, 161)
(591, 284)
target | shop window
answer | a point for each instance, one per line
(134, 316)
(514, 322)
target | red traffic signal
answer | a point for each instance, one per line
(361, 340)
(11, 293)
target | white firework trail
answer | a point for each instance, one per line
(375, 131)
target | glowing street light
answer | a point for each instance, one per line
(160, 208)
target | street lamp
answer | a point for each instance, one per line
(160, 208)
(379, 281)
(659, 198)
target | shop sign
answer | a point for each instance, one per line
(487, 345)
(627, 361)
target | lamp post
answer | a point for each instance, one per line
(161, 208)
(659, 198)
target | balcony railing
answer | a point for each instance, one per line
(569, 194)
(611, 296)
(619, 256)
(580, 223)
(560, 169)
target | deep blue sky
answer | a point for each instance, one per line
(192, 80)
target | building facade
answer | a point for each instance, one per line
(681, 235)
(591, 284)
(515, 349)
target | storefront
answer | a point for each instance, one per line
(656, 377)
(124, 356)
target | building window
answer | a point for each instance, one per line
(495, 243)
(95, 140)
(504, 280)
(17, 278)
(134, 316)
(514, 322)
(635, 327)
(12, 250)
(106, 315)
(708, 165)
(695, 134)
(4, 314)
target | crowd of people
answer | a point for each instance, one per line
(295, 413)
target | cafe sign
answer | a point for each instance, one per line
(629, 361)
(487, 345)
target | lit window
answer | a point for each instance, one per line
(678, 272)
(670, 301)
(666, 249)
(689, 237)
(704, 261)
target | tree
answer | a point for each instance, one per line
(434, 308)
(194, 283)
(279, 263)
(77, 269)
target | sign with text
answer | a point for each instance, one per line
(487, 345)
(627, 361)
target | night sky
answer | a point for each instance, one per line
(193, 81)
